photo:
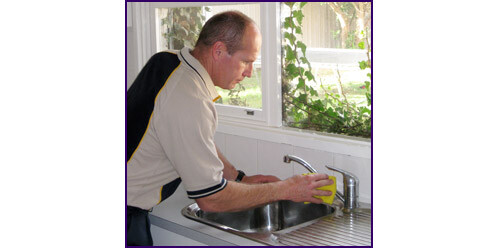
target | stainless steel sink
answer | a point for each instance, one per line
(291, 223)
(272, 217)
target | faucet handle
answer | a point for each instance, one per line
(347, 175)
(351, 183)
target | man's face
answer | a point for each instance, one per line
(234, 68)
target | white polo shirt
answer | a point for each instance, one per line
(179, 138)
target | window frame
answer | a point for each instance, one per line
(270, 114)
(233, 119)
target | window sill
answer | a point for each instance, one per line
(353, 146)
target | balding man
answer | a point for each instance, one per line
(171, 123)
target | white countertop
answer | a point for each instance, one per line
(170, 210)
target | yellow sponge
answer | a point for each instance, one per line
(328, 199)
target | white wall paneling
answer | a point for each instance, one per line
(243, 153)
(257, 156)
(271, 159)
(361, 167)
(220, 142)
(318, 159)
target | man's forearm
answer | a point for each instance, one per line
(239, 196)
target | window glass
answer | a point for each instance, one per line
(179, 27)
(327, 66)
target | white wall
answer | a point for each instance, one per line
(257, 156)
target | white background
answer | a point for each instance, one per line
(436, 128)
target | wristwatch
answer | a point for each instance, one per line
(240, 176)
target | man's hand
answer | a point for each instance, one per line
(302, 188)
(259, 179)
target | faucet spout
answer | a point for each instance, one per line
(289, 158)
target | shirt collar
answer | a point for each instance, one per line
(185, 56)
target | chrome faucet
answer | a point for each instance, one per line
(289, 158)
(351, 183)
(351, 189)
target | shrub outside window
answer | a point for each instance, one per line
(326, 65)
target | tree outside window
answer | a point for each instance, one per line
(326, 77)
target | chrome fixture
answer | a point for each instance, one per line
(351, 183)
(289, 158)
(351, 189)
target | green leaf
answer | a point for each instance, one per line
(301, 71)
(361, 45)
(292, 70)
(313, 91)
(289, 23)
(291, 37)
(302, 98)
(298, 30)
(309, 75)
(302, 4)
(289, 55)
(364, 110)
(362, 65)
(301, 83)
(331, 113)
(302, 47)
(318, 105)
(298, 15)
(286, 35)
(304, 60)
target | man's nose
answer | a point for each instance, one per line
(248, 71)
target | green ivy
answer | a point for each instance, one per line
(302, 105)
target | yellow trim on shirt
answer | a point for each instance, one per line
(149, 121)
(217, 98)
(161, 189)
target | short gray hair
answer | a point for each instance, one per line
(227, 27)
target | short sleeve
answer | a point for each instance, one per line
(185, 126)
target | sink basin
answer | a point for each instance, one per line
(269, 218)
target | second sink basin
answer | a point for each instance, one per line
(272, 217)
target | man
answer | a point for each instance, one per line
(171, 123)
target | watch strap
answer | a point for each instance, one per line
(240, 176)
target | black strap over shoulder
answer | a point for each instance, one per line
(141, 96)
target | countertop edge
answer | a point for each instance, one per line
(167, 215)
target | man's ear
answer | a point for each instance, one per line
(218, 49)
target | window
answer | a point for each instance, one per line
(177, 27)
(323, 84)
(326, 66)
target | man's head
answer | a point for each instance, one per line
(230, 42)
